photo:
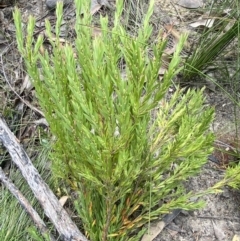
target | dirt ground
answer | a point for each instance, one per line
(220, 219)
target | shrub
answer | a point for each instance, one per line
(99, 96)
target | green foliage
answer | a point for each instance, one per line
(12, 226)
(99, 96)
(35, 236)
(15, 223)
(233, 176)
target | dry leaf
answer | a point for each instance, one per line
(26, 84)
(42, 50)
(171, 30)
(96, 32)
(61, 40)
(229, 26)
(41, 121)
(95, 6)
(236, 238)
(154, 230)
(203, 22)
(63, 200)
(161, 72)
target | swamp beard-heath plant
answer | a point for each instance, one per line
(99, 95)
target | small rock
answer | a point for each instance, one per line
(225, 194)
(219, 233)
(51, 4)
(190, 3)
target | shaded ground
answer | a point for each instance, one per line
(220, 219)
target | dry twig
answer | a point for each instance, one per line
(52, 208)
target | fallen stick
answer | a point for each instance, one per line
(59, 217)
(25, 204)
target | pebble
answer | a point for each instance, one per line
(51, 4)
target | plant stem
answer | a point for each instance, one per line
(109, 213)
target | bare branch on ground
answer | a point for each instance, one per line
(50, 204)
